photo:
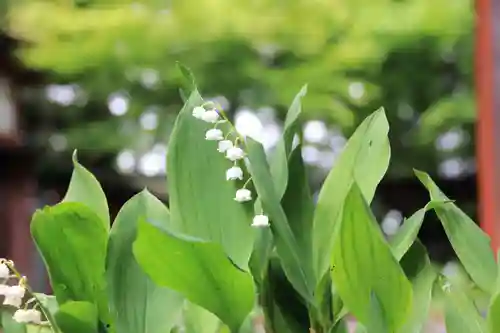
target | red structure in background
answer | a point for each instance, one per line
(17, 178)
(487, 71)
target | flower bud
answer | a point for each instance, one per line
(243, 195)
(210, 116)
(235, 154)
(214, 134)
(260, 221)
(4, 271)
(21, 316)
(234, 173)
(224, 145)
(198, 112)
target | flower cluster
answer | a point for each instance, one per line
(14, 295)
(232, 151)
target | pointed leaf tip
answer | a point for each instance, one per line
(145, 191)
(187, 74)
(74, 156)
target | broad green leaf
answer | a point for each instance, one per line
(260, 255)
(493, 317)
(470, 243)
(494, 314)
(76, 261)
(296, 267)
(338, 309)
(198, 320)
(263, 246)
(360, 328)
(197, 269)
(279, 159)
(84, 188)
(49, 306)
(340, 327)
(188, 76)
(407, 234)
(48, 301)
(276, 321)
(364, 265)
(461, 315)
(325, 302)
(298, 204)
(285, 309)
(77, 317)
(365, 160)
(139, 305)
(201, 199)
(376, 322)
(9, 325)
(37, 329)
(421, 274)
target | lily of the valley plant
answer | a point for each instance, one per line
(241, 239)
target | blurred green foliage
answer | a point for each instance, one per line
(414, 57)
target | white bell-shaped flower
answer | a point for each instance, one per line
(16, 291)
(4, 289)
(243, 195)
(14, 296)
(235, 154)
(214, 134)
(22, 316)
(13, 301)
(4, 271)
(234, 173)
(210, 116)
(35, 316)
(224, 145)
(198, 112)
(260, 221)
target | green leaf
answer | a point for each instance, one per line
(85, 189)
(188, 76)
(327, 304)
(285, 310)
(49, 306)
(376, 323)
(9, 325)
(421, 274)
(360, 328)
(493, 317)
(279, 159)
(37, 329)
(48, 301)
(407, 234)
(296, 266)
(363, 264)
(365, 160)
(298, 204)
(197, 269)
(461, 315)
(144, 307)
(77, 317)
(494, 314)
(75, 262)
(201, 200)
(260, 255)
(340, 327)
(470, 243)
(198, 320)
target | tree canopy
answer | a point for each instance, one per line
(114, 81)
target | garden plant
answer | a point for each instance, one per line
(242, 239)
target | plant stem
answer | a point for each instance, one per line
(25, 284)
